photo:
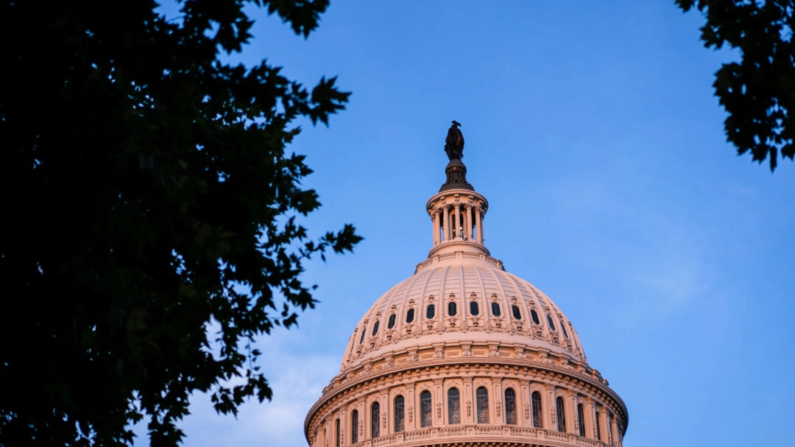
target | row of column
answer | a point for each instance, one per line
(446, 217)
(332, 433)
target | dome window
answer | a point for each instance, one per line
(375, 412)
(534, 315)
(391, 323)
(355, 427)
(364, 332)
(551, 324)
(375, 328)
(581, 419)
(410, 316)
(453, 406)
(562, 326)
(452, 309)
(537, 410)
(426, 409)
(482, 398)
(473, 308)
(400, 414)
(561, 410)
(495, 309)
(510, 406)
(430, 311)
(338, 433)
(516, 313)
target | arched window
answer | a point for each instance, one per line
(482, 397)
(537, 410)
(337, 431)
(516, 313)
(375, 328)
(581, 419)
(551, 324)
(473, 308)
(598, 426)
(453, 406)
(426, 409)
(561, 415)
(364, 332)
(391, 323)
(400, 414)
(534, 316)
(375, 418)
(610, 428)
(354, 427)
(452, 309)
(430, 311)
(510, 406)
(563, 326)
(410, 316)
(495, 309)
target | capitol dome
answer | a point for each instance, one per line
(465, 353)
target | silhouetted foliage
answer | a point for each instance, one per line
(147, 197)
(758, 92)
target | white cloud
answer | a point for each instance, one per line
(297, 382)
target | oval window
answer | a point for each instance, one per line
(430, 312)
(495, 309)
(391, 323)
(452, 309)
(549, 319)
(565, 334)
(375, 328)
(516, 313)
(410, 316)
(473, 308)
(534, 315)
(364, 332)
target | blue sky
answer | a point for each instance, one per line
(592, 129)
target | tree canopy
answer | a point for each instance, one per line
(758, 93)
(147, 195)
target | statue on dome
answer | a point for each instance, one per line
(454, 144)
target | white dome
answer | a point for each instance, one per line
(463, 278)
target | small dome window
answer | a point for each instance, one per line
(534, 315)
(375, 328)
(516, 313)
(391, 323)
(430, 311)
(549, 319)
(410, 316)
(364, 332)
(452, 309)
(495, 309)
(473, 308)
(565, 334)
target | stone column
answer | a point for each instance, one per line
(446, 224)
(437, 227)
(524, 405)
(479, 224)
(468, 221)
(410, 408)
(468, 402)
(436, 403)
(575, 415)
(457, 221)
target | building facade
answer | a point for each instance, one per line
(465, 353)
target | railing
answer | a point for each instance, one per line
(419, 434)
(481, 430)
(446, 432)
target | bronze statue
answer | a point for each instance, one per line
(454, 144)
